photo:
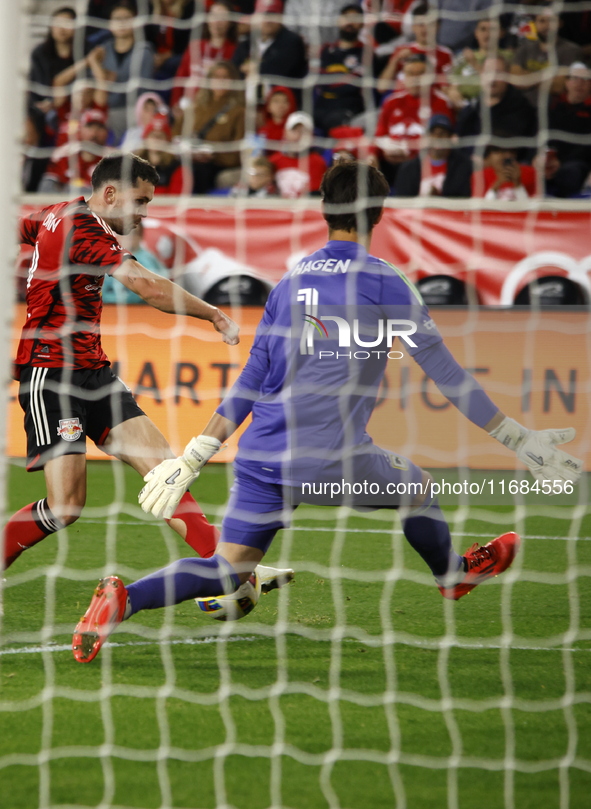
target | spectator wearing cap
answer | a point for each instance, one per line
(441, 171)
(216, 44)
(271, 49)
(158, 149)
(215, 124)
(125, 59)
(299, 169)
(404, 117)
(72, 164)
(279, 105)
(439, 58)
(535, 56)
(500, 107)
(502, 176)
(342, 68)
(571, 113)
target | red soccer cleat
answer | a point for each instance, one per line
(106, 610)
(484, 561)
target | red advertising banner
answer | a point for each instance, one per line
(496, 253)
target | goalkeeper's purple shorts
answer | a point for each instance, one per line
(259, 507)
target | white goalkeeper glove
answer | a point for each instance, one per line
(537, 450)
(167, 482)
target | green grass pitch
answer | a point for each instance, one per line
(336, 692)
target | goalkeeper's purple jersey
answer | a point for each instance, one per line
(319, 357)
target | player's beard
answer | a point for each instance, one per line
(122, 225)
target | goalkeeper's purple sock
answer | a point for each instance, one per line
(184, 579)
(428, 532)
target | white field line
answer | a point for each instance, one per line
(319, 530)
(66, 647)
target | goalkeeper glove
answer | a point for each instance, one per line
(537, 450)
(167, 482)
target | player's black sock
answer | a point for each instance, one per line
(428, 532)
(185, 579)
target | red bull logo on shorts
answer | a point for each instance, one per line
(69, 429)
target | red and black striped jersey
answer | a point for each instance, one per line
(73, 249)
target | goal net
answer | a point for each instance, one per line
(357, 684)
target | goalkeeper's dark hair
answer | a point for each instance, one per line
(353, 195)
(126, 168)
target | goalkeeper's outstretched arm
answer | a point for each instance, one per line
(537, 449)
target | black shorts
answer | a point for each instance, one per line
(62, 407)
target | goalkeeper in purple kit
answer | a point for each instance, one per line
(311, 384)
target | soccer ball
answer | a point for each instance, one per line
(235, 606)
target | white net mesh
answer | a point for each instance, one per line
(358, 684)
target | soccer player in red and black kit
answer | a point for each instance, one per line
(67, 388)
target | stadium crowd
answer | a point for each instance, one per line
(258, 98)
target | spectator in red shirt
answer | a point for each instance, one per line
(279, 105)
(174, 179)
(299, 170)
(217, 44)
(439, 59)
(502, 177)
(72, 164)
(404, 117)
(170, 40)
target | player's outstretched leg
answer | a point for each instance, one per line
(112, 602)
(427, 531)
(482, 562)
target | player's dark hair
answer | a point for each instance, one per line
(353, 195)
(127, 168)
